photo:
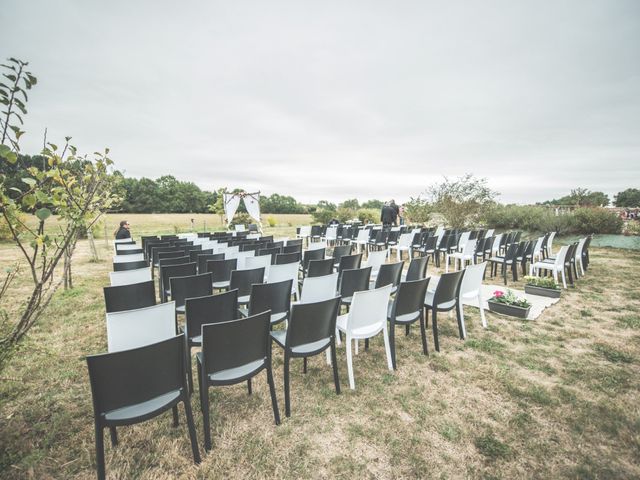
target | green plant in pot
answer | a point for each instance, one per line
(509, 304)
(543, 286)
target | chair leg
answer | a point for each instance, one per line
(205, 417)
(392, 343)
(481, 307)
(334, 362)
(272, 390)
(407, 328)
(287, 399)
(189, 371)
(423, 333)
(352, 383)
(460, 317)
(249, 389)
(114, 436)
(304, 365)
(366, 344)
(100, 452)
(192, 429)
(175, 416)
(387, 347)
(434, 327)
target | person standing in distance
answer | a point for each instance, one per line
(123, 231)
(396, 209)
(388, 215)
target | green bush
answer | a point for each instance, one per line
(343, 214)
(323, 215)
(241, 219)
(5, 232)
(271, 222)
(596, 220)
(368, 215)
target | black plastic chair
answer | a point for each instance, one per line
(194, 254)
(506, 260)
(311, 331)
(270, 251)
(243, 280)
(190, 286)
(284, 258)
(168, 271)
(339, 252)
(292, 249)
(351, 281)
(417, 268)
(217, 308)
(129, 297)
(122, 266)
(133, 386)
(203, 258)
(389, 274)
(233, 352)
(297, 241)
(318, 268)
(407, 308)
(221, 270)
(275, 297)
(443, 247)
(178, 260)
(137, 251)
(308, 255)
(350, 262)
(444, 298)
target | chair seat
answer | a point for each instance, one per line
(428, 302)
(234, 373)
(197, 340)
(224, 284)
(360, 332)
(141, 409)
(243, 300)
(180, 309)
(280, 337)
(346, 300)
(406, 318)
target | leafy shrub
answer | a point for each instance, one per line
(241, 219)
(543, 282)
(596, 220)
(5, 232)
(418, 210)
(343, 214)
(632, 227)
(323, 215)
(368, 215)
(271, 222)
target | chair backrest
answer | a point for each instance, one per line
(221, 307)
(317, 245)
(376, 259)
(309, 255)
(406, 240)
(279, 273)
(204, 258)
(122, 266)
(242, 258)
(363, 236)
(130, 276)
(354, 280)
(127, 248)
(190, 286)
(489, 232)
(134, 328)
(194, 254)
(469, 247)
(340, 251)
(134, 376)
(389, 274)
(172, 260)
(350, 262)
(182, 270)
(318, 268)
(430, 244)
(312, 322)
(261, 261)
(538, 246)
(561, 256)
(239, 228)
(305, 231)
(497, 241)
(369, 308)
(410, 297)
(581, 243)
(128, 258)
(270, 251)
(156, 251)
(331, 233)
(472, 278)
(464, 238)
(222, 269)
(417, 268)
(571, 253)
(283, 258)
(448, 287)
(292, 242)
(129, 297)
(552, 235)
(275, 297)
(316, 289)
(297, 248)
(244, 279)
(236, 343)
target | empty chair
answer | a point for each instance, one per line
(375, 260)
(190, 286)
(362, 239)
(135, 328)
(311, 331)
(403, 245)
(548, 246)
(233, 352)
(350, 262)
(366, 318)
(318, 268)
(168, 271)
(283, 258)
(443, 299)
(506, 260)
(317, 289)
(242, 280)
(125, 266)
(221, 270)
(163, 262)
(275, 297)
(129, 297)
(290, 243)
(261, 261)
(429, 247)
(129, 250)
(288, 271)
(194, 254)
(339, 252)
(128, 258)
(129, 277)
(495, 246)
(466, 255)
(578, 259)
(471, 289)
(317, 245)
(297, 248)
(417, 269)
(353, 280)
(217, 308)
(389, 274)
(273, 251)
(136, 385)
(407, 308)
(309, 255)
(202, 260)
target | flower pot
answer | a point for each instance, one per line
(511, 310)
(542, 291)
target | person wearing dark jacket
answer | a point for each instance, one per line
(123, 232)
(388, 215)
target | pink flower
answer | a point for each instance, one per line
(498, 293)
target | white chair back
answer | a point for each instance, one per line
(242, 258)
(363, 236)
(375, 260)
(121, 247)
(288, 271)
(123, 240)
(261, 261)
(137, 257)
(472, 279)
(189, 236)
(405, 241)
(253, 236)
(489, 233)
(305, 231)
(332, 233)
(239, 228)
(462, 241)
(369, 308)
(469, 248)
(561, 257)
(317, 289)
(127, 277)
(537, 249)
(550, 242)
(496, 243)
(136, 328)
(317, 245)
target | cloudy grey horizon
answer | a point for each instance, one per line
(335, 100)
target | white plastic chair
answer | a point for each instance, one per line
(317, 245)
(120, 247)
(137, 257)
(123, 240)
(462, 241)
(578, 258)
(318, 289)
(128, 277)
(536, 255)
(136, 328)
(468, 253)
(239, 228)
(557, 266)
(331, 235)
(471, 289)
(550, 244)
(305, 232)
(261, 261)
(288, 271)
(375, 260)
(242, 258)
(489, 233)
(366, 318)
(403, 245)
(362, 239)
(495, 247)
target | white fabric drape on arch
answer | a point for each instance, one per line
(231, 203)
(252, 204)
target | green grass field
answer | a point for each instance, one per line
(551, 398)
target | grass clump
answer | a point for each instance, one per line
(612, 354)
(492, 448)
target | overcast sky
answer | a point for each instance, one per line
(341, 99)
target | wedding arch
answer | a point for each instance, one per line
(251, 203)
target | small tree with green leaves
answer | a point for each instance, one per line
(418, 210)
